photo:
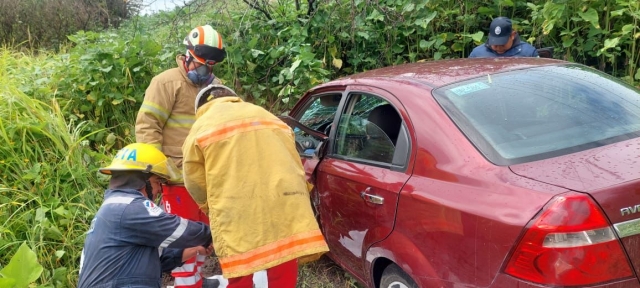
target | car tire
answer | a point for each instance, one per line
(394, 277)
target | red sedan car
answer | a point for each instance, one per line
(477, 173)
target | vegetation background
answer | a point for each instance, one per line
(74, 73)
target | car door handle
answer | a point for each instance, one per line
(370, 197)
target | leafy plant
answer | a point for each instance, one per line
(102, 81)
(36, 24)
(63, 114)
(22, 270)
(49, 188)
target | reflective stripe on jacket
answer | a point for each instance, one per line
(241, 165)
(167, 112)
(127, 238)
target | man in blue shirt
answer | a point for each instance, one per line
(503, 42)
(131, 240)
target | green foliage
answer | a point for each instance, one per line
(63, 114)
(600, 33)
(102, 80)
(23, 269)
(49, 189)
(38, 23)
(278, 52)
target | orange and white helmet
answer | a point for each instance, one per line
(204, 44)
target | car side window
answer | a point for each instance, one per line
(319, 113)
(368, 129)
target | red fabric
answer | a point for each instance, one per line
(284, 275)
(188, 275)
(176, 200)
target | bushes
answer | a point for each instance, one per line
(279, 50)
(36, 23)
(603, 34)
(49, 189)
(102, 79)
(62, 115)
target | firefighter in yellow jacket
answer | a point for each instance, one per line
(242, 167)
(167, 114)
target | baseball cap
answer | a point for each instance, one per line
(499, 31)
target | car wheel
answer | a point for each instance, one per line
(394, 277)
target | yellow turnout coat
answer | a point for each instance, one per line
(241, 166)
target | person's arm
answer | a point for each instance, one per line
(194, 174)
(172, 258)
(154, 112)
(535, 52)
(474, 53)
(146, 224)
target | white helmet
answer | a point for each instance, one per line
(211, 91)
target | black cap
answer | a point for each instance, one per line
(499, 31)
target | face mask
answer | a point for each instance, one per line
(201, 76)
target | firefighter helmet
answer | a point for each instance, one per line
(204, 44)
(144, 158)
(212, 91)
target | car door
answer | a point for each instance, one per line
(311, 120)
(317, 113)
(359, 180)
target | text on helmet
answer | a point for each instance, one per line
(127, 154)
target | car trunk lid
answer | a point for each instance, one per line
(611, 175)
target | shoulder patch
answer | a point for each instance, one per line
(93, 225)
(152, 208)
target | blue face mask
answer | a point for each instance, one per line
(201, 76)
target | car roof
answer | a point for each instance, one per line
(443, 72)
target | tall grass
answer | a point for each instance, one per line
(324, 273)
(49, 190)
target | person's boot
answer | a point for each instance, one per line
(215, 281)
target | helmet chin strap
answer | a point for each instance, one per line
(148, 189)
(186, 62)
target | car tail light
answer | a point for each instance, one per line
(570, 243)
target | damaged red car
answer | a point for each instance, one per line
(520, 172)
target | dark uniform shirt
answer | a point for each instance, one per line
(130, 237)
(518, 49)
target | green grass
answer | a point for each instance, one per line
(48, 187)
(324, 273)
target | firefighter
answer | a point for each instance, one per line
(166, 115)
(242, 167)
(131, 240)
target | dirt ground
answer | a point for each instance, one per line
(323, 273)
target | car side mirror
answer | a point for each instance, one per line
(321, 149)
(546, 52)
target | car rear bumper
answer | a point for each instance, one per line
(506, 281)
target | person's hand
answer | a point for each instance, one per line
(191, 252)
(205, 250)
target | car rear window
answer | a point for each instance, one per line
(539, 113)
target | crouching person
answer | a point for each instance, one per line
(131, 241)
